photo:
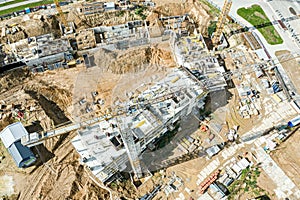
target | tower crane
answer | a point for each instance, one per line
(123, 123)
(33, 139)
(221, 21)
(64, 24)
(132, 148)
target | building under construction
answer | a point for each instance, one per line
(40, 49)
(123, 36)
(103, 147)
(193, 54)
(106, 144)
(85, 39)
(178, 24)
(91, 8)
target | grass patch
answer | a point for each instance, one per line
(247, 183)
(140, 12)
(212, 28)
(257, 17)
(120, 13)
(212, 9)
(30, 5)
(11, 2)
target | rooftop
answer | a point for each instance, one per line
(95, 142)
(11, 138)
(22, 155)
(132, 33)
(12, 133)
(47, 45)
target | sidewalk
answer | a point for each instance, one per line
(287, 44)
(5, 1)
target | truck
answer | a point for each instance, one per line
(27, 10)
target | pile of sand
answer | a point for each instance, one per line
(133, 60)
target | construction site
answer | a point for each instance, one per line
(135, 100)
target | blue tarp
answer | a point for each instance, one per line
(294, 122)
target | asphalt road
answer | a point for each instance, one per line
(269, 8)
(18, 4)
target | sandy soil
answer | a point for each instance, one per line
(7, 185)
(51, 98)
(291, 67)
(29, 28)
(45, 97)
(188, 172)
(287, 158)
(266, 184)
(160, 3)
(116, 75)
(195, 9)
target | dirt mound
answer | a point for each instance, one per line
(37, 27)
(6, 121)
(57, 173)
(290, 164)
(51, 109)
(172, 9)
(62, 97)
(30, 28)
(44, 98)
(196, 11)
(13, 37)
(132, 61)
(13, 78)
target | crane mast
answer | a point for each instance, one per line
(65, 28)
(132, 148)
(221, 22)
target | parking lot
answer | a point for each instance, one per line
(288, 12)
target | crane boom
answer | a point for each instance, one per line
(221, 21)
(60, 12)
(33, 139)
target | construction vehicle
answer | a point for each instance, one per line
(12, 25)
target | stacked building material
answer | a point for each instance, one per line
(206, 183)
